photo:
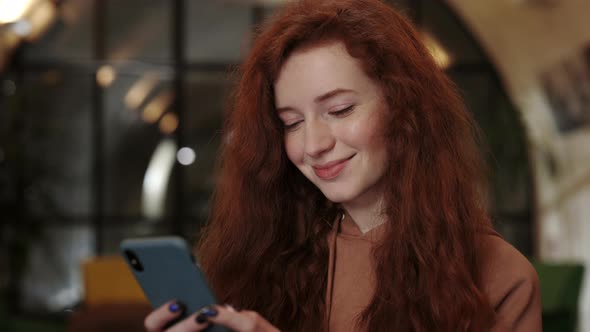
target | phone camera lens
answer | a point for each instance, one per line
(133, 260)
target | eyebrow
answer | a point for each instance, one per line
(322, 98)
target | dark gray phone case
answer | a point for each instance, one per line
(170, 273)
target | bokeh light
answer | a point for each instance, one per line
(168, 123)
(186, 156)
(106, 75)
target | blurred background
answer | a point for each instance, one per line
(110, 119)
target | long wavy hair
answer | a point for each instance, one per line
(265, 246)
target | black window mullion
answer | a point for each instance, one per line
(178, 56)
(97, 110)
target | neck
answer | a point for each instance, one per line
(366, 215)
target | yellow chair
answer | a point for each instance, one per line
(108, 280)
(113, 300)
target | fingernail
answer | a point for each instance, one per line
(201, 318)
(230, 308)
(205, 313)
(176, 307)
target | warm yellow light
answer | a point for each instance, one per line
(438, 52)
(169, 123)
(13, 10)
(41, 16)
(139, 91)
(157, 106)
(105, 75)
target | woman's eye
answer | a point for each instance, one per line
(292, 126)
(344, 111)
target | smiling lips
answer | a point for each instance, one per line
(330, 170)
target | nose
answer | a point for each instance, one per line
(318, 138)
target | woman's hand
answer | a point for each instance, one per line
(240, 321)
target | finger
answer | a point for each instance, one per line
(240, 321)
(157, 320)
(190, 324)
(230, 308)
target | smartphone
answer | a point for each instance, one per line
(166, 270)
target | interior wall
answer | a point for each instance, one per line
(541, 50)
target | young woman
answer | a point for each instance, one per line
(350, 190)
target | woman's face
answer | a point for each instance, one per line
(331, 111)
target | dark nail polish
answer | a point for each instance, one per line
(176, 307)
(205, 313)
(201, 318)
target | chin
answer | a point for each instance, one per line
(338, 197)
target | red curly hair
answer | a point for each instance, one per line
(265, 246)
